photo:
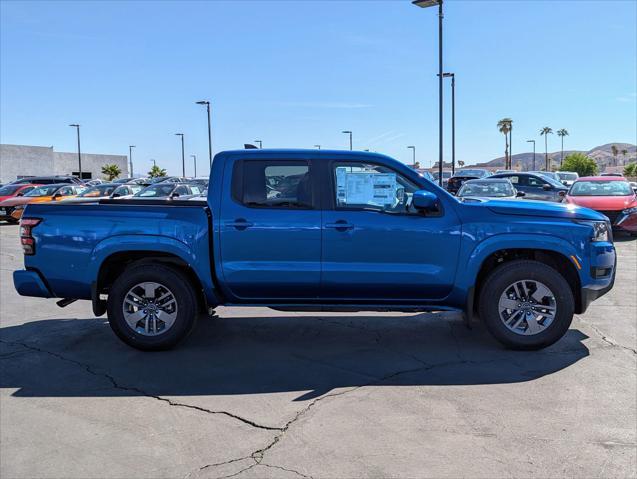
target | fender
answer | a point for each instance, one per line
(512, 241)
(196, 255)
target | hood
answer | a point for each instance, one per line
(604, 203)
(24, 200)
(542, 208)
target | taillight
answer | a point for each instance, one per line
(26, 237)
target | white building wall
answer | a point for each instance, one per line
(17, 161)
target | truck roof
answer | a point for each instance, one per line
(289, 152)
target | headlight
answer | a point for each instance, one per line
(601, 230)
(630, 211)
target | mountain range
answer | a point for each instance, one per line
(602, 155)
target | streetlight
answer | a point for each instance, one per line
(154, 162)
(453, 119)
(260, 144)
(427, 4)
(317, 146)
(207, 103)
(532, 141)
(194, 160)
(130, 158)
(350, 138)
(413, 149)
(183, 160)
(79, 154)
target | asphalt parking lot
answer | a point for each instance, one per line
(259, 393)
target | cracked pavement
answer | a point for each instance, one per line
(257, 393)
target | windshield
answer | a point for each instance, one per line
(601, 188)
(478, 173)
(9, 189)
(489, 189)
(43, 191)
(567, 176)
(156, 190)
(99, 190)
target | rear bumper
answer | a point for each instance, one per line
(29, 283)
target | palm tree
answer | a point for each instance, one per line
(624, 152)
(614, 150)
(111, 171)
(546, 131)
(562, 133)
(504, 127)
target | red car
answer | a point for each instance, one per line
(13, 190)
(611, 196)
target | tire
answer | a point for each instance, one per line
(173, 318)
(524, 275)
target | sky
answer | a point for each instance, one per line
(295, 74)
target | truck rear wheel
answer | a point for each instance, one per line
(152, 307)
(526, 305)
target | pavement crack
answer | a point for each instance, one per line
(139, 391)
(285, 469)
(607, 339)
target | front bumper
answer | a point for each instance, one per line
(603, 259)
(29, 283)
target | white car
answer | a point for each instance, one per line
(567, 177)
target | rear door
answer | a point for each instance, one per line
(270, 231)
(376, 247)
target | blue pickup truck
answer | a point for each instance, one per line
(314, 230)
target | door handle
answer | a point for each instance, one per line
(240, 224)
(340, 225)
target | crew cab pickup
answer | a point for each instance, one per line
(319, 230)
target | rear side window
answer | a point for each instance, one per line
(273, 184)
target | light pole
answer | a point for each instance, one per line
(79, 154)
(317, 146)
(194, 160)
(532, 141)
(183, 159)
(350, 138)
(453, 119)
(130, 158)
(426, 4)
(413, 149)
(154, 162)
(207, 103)
(510, 145)
(260, 144)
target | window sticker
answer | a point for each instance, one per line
(364, 188)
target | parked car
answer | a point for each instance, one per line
(535, 186)
(455, 182)
(610, 195)
(48, 180)
(550, 174)
(612, 174)
(567, 177)
(497, 172)
(93, 193)
(13, 191)
(126, 191)
(173, 179)
(445, 177)
(11, 209)
(354, 243)
(94, 182)
(168, 190)
(489, 188)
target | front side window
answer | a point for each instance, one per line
(372, 187)
(274, 184)
(536, 182)
(66, 191)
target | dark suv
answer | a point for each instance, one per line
(456, 181)
(536, 186)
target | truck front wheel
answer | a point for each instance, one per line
(526, 304)
(152, 307)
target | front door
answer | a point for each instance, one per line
(270, 231)
(376, 247)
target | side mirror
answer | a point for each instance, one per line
(546, 187)
(424, 200)
(561, 193)
(116, 195)
(20, 194)
(174, 195)
(564, 183)
(57, 196)
(520, 194)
